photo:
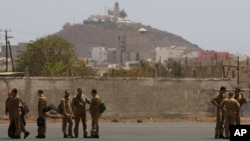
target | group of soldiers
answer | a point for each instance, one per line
(74, 109)
(228, 110)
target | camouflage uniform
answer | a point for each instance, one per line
(42, 103)
(8, 107)
(15, 114)
(67, 116)
(95, 115)
(232, 107)
(9, 113)
(220, 114)
(79, 110)
(241, 99)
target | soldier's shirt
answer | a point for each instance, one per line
(66, 105)
(218, 98)
(42, 103)
(94, 104)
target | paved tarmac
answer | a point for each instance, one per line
(165, 131)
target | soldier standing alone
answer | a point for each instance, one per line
(95, 113)
(79, 110)
(41, 121)
(67, 115)
(220, 114)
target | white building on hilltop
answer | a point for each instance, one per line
(165, 53)
(99, 54)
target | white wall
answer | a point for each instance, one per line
(99, 54)
(164, 53)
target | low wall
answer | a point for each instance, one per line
(124, 97)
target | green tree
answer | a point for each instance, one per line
(123, 14)
(48, 56)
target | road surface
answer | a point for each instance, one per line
(164, 131)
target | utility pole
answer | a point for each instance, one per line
(7, 44)
(122, 48)
(12, 61)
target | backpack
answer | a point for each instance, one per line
(59, 108)
(102, 107)
(24, 108)
(49, 107)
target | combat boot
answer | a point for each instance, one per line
(26, 134)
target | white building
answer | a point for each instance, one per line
(165, 53)
(99, 54)
(192, 55)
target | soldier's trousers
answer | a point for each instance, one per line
(67, 120)
(19, 125)
(78, 117)
(95, 126)
(237, 118)
(42, 128)
(220, 118)
(230, 120)
(17, 120)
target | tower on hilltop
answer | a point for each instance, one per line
(116, 10)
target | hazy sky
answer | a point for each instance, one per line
(221, 25)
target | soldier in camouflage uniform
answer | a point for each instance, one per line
(42, 104)
(9, 113)
(79, 110)
(239, 96)
(232, 107)
(67, 115)
(220, 115)
(16, 113)
(95, 113)
(7, 104)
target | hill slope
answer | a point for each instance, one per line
(85, 36)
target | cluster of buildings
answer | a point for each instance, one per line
(113, 57)
(103, 54)
(131, 48)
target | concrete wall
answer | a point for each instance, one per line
(124, 97)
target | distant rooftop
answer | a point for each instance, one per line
(113, 15)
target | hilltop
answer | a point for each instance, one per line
(90, 34)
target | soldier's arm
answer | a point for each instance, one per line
(63, 106)
(238, 106)
(213, 101)
(87, 100)
(6, 107)
(90, 105)
(73, 106)
(222, 104)
(243, 99)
